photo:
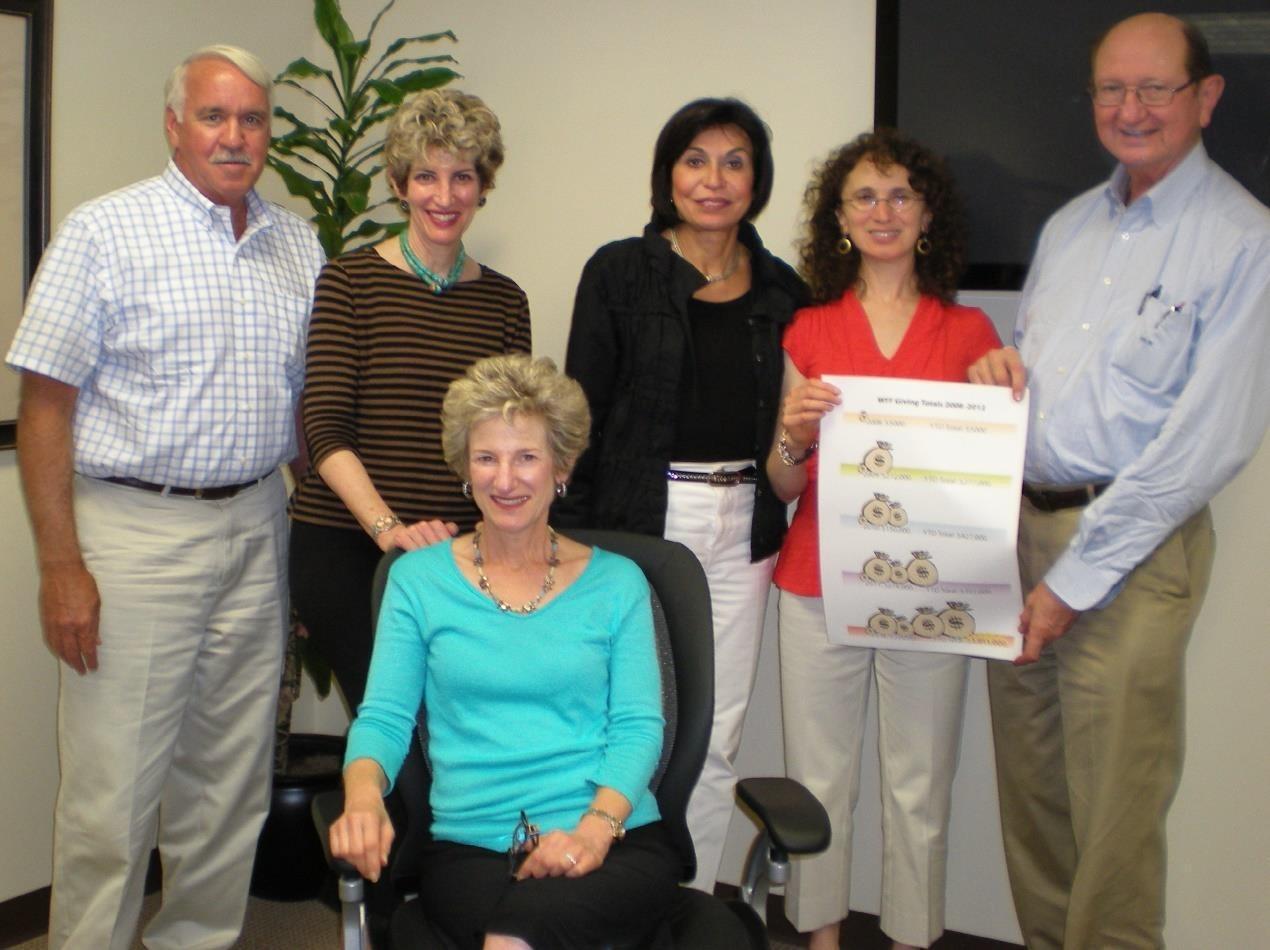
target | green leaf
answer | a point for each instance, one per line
(397, 45)
(302, 69)
(374, 24)
(426, 79)
(387, 91)
(331, 25)
(330, 234)
(354, 187)
(312, 191)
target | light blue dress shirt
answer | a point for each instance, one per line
(1145, 331)
(186, 344)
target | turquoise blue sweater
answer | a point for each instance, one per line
(525, 712)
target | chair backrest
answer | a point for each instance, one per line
(681, 604)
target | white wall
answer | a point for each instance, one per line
(582, 88)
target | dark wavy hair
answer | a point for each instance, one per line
(684, 126)
(830, 274)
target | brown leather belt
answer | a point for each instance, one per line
(721, 478)
(217, 493)
(1058, 499)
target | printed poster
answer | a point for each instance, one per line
(919, 489)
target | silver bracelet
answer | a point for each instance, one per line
(616, 826)
(787, 458)
(383, 523)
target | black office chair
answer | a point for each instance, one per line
(792, 820)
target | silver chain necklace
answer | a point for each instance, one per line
(710, 278)
(548, 582)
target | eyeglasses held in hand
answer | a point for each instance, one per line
(1149, 93)
(524, 840)
(899, 201)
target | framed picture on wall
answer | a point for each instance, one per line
(26, 29)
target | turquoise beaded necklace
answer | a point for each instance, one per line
(438, 283)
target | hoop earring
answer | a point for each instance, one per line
(481, 203)
(845, 246)
(923, 245)
(404, 205)
(467, 489)
(562, 489)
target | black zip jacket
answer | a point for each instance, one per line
(629, 347)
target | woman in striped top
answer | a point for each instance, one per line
(392, 325)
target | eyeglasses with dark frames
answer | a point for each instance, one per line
(524, 839)
(1151, 94)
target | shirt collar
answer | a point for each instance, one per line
(258, 214)
(1167, 198)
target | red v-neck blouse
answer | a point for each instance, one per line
(836, 339)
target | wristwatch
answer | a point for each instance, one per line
(615, 824)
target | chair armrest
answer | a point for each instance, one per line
(326, 808)
(793, 817)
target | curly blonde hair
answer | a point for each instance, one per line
(508, 386)
(448, 119)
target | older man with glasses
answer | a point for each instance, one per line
(1144, 337)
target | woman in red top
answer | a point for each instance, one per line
(882, 258)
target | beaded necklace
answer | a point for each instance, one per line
(548, 582)
(438, 283)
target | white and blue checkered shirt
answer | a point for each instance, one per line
(186, 345)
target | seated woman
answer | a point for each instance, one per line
(534, 658)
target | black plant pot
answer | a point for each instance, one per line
(290, 865)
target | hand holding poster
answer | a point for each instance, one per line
(919, 509)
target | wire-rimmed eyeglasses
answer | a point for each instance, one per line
(524, 840)
(1152, 94)
(899, 201)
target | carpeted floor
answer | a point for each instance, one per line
(312, 925)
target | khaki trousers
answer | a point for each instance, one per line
(170, 739)
(1089, 745)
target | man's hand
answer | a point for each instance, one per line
(1003, 367)
(421, 534)
(69, 611)
(1045, 617)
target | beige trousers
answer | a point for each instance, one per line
(824, 702)
(170, 739)
(1089, 745)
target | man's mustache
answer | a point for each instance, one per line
(231, 158)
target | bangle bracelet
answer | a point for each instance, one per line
(383, 523)
(616, 825)
(787, 458)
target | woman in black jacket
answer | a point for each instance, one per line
(676, 340)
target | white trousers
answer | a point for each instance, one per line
(171, 738)
(824, 700)
(714, 522)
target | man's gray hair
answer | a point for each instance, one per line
(245, 62)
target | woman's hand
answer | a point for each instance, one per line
(363, 835)
(417, 535)
(802, 409)
(568, 854)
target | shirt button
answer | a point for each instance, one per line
(1084, 326)
(1062, 370)
(1124, 236)
(1106, 281)
(1041, 415)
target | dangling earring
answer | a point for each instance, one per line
(467, 489)
(404, 205)
(562, 489)
(481, 203)
(845, 245)
(923, 245)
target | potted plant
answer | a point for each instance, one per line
(331, 162)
